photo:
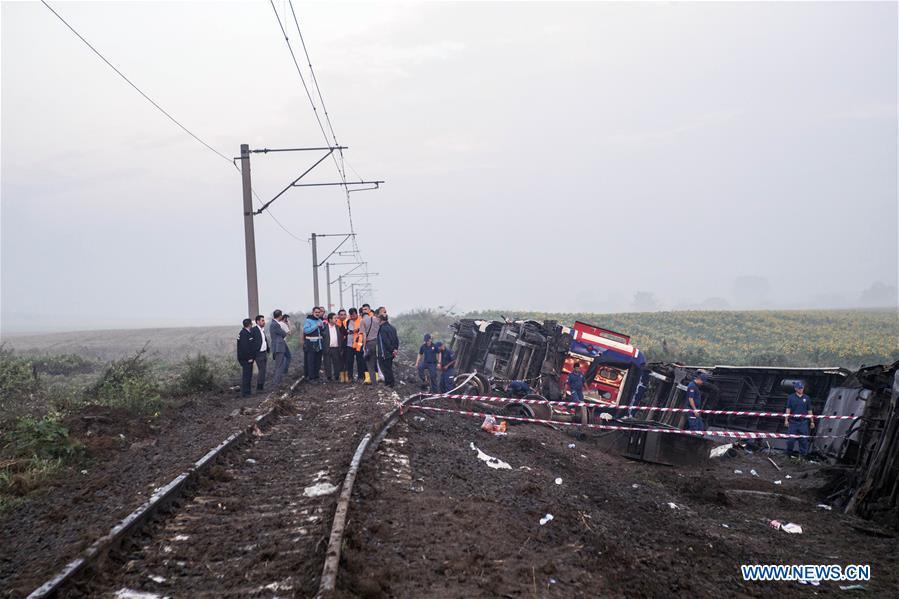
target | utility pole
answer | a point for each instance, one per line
(249, 233)
(314, 269)
(339, 280)
(249, 213)
(316, 263)
(328, 286)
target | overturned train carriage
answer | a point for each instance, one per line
(543, 354)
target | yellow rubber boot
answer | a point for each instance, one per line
(367, 380)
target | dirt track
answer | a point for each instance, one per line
(430, 519)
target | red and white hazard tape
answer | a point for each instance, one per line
(612, 427)
(578, 404)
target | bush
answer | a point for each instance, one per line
(65, 364)
(42, 438)
(198, 374)
(127, 384)
(17, 377)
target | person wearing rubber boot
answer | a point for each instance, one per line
(426, 362)
(341, 322)
(446, 363)
(799, 405)
(370, 326)
(694, 402)
(355, 342)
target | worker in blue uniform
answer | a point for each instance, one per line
(575, 382)
(518, 388)
(446, 365)
(694, 402)
(427, 362)
(798, 418)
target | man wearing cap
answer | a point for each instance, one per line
(798, 406)
(446, 363)
(427, 361)
(694, 402)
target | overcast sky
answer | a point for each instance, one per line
(540, 156)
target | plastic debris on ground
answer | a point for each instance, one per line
(558, 481)
(251, 461)
(635, 485)
(824, 506)
(673, 506)
(788, 527)
(852, 587)
(814, 583)
(545, 519)
(753, 472)
(571, 446)
(605, 416)
(725, 526)
(491, 426)
(719, 451)
(489, 460)
(788, 476)
(738, 472)
(778, 482)
(319, 490)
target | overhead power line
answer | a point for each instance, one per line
(162, 110)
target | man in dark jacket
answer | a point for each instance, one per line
(246, 354)
(388, 347)
(333, 340)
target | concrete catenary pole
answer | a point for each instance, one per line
(340, 287)
(314, 270)
(328, 284)
(249, 233)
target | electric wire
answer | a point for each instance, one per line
(341, 165)
(163, 111)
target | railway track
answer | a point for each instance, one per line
(257, 522)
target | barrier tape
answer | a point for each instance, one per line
(578, 404)
(612, 427)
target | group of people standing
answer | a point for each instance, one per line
(338, 343)
(361, 340)
(253, 349)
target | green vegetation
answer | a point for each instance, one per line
(63, 364)
(127, 384)
(38, 394)
(36, 449)
(199, 374)
(847, 338)
(17, 378)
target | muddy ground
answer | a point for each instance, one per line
(429, 519)
(257, 525)
(127, 457)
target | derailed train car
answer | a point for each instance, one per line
(620, 383)
(491, 354)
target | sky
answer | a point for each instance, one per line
(548, 156)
